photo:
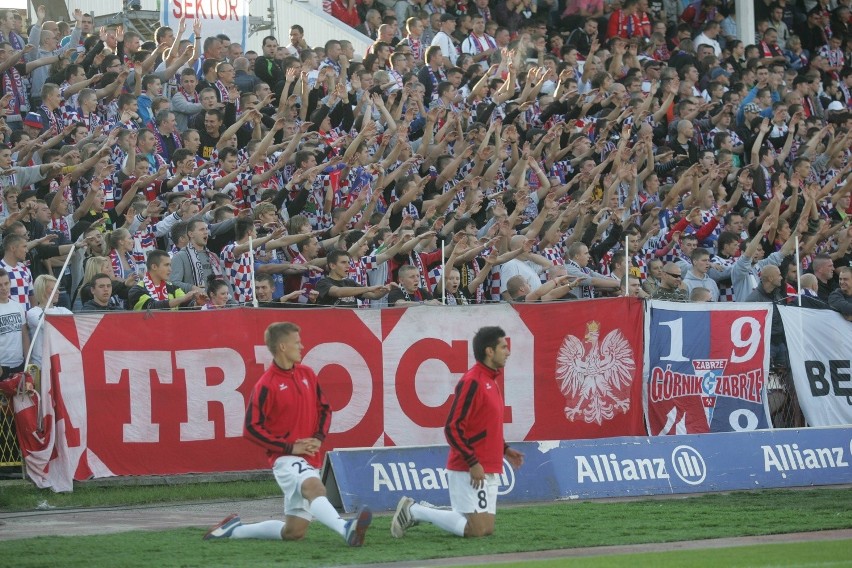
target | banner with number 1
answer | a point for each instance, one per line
(706, 367)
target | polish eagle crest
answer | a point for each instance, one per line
(595, 381)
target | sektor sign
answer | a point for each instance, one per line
(229, 17)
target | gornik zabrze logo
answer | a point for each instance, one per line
(596, 380)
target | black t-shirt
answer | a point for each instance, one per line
(113, 219)
(325, 299)
(824, 289)
(208, 144)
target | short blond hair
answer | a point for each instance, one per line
(276, 332)
(263, 207)
(11, 190)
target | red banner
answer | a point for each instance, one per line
(165, 393)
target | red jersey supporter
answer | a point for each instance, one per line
(237, 259)
(13, 263)
(629, 22)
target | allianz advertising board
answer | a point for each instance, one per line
(611, 467)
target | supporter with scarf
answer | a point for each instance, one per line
(155, 292)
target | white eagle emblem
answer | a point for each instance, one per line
(596, 383)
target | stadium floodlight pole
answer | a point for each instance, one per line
(251, 258)
(798, 273)
(443, 273)
(47, 306)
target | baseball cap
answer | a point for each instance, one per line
(717, 72)
(33, 119)
(448, 18)
(752, 107)
(835, 105)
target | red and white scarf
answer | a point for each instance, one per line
(60, 225)
(629, 26)
(193, 98)
(416, 48)
(224, 96)
(55, 124)
(427, 280)
(14, 85)
(482, 44)
(159, 136)
(120, 272)
(90, 122)
(441, 76)
(156, 291)
(308, 280)
(223, 91)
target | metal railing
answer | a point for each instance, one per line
(10, 453)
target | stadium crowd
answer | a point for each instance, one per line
(556, 150)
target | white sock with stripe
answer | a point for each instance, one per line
(267, 530)
(450, 521)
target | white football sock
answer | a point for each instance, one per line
(324, 512)
(450, 521)
(267, 530)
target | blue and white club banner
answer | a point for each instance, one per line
(608, 467)
(705, 367)
(820, 347)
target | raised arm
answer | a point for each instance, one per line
(234, 128)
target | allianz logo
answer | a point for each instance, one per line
(790, 457)
(686, 462)
(408, 476)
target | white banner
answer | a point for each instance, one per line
(229, 17)
(820, 346)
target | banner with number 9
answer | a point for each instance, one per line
(706, 368)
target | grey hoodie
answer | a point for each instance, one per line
(744, 275)
(693, 281)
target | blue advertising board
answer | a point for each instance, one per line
(610, 467)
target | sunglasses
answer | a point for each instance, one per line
(674, 275)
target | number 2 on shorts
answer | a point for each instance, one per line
(302, 466)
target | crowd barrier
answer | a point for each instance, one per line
(614, 467)
(164, 393)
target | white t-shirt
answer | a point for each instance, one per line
(448, 48)
(702, 39)
(515, 267)
(33, 315)
(12, 318)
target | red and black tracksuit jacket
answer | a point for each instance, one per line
(474, 427)
(285, 406)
